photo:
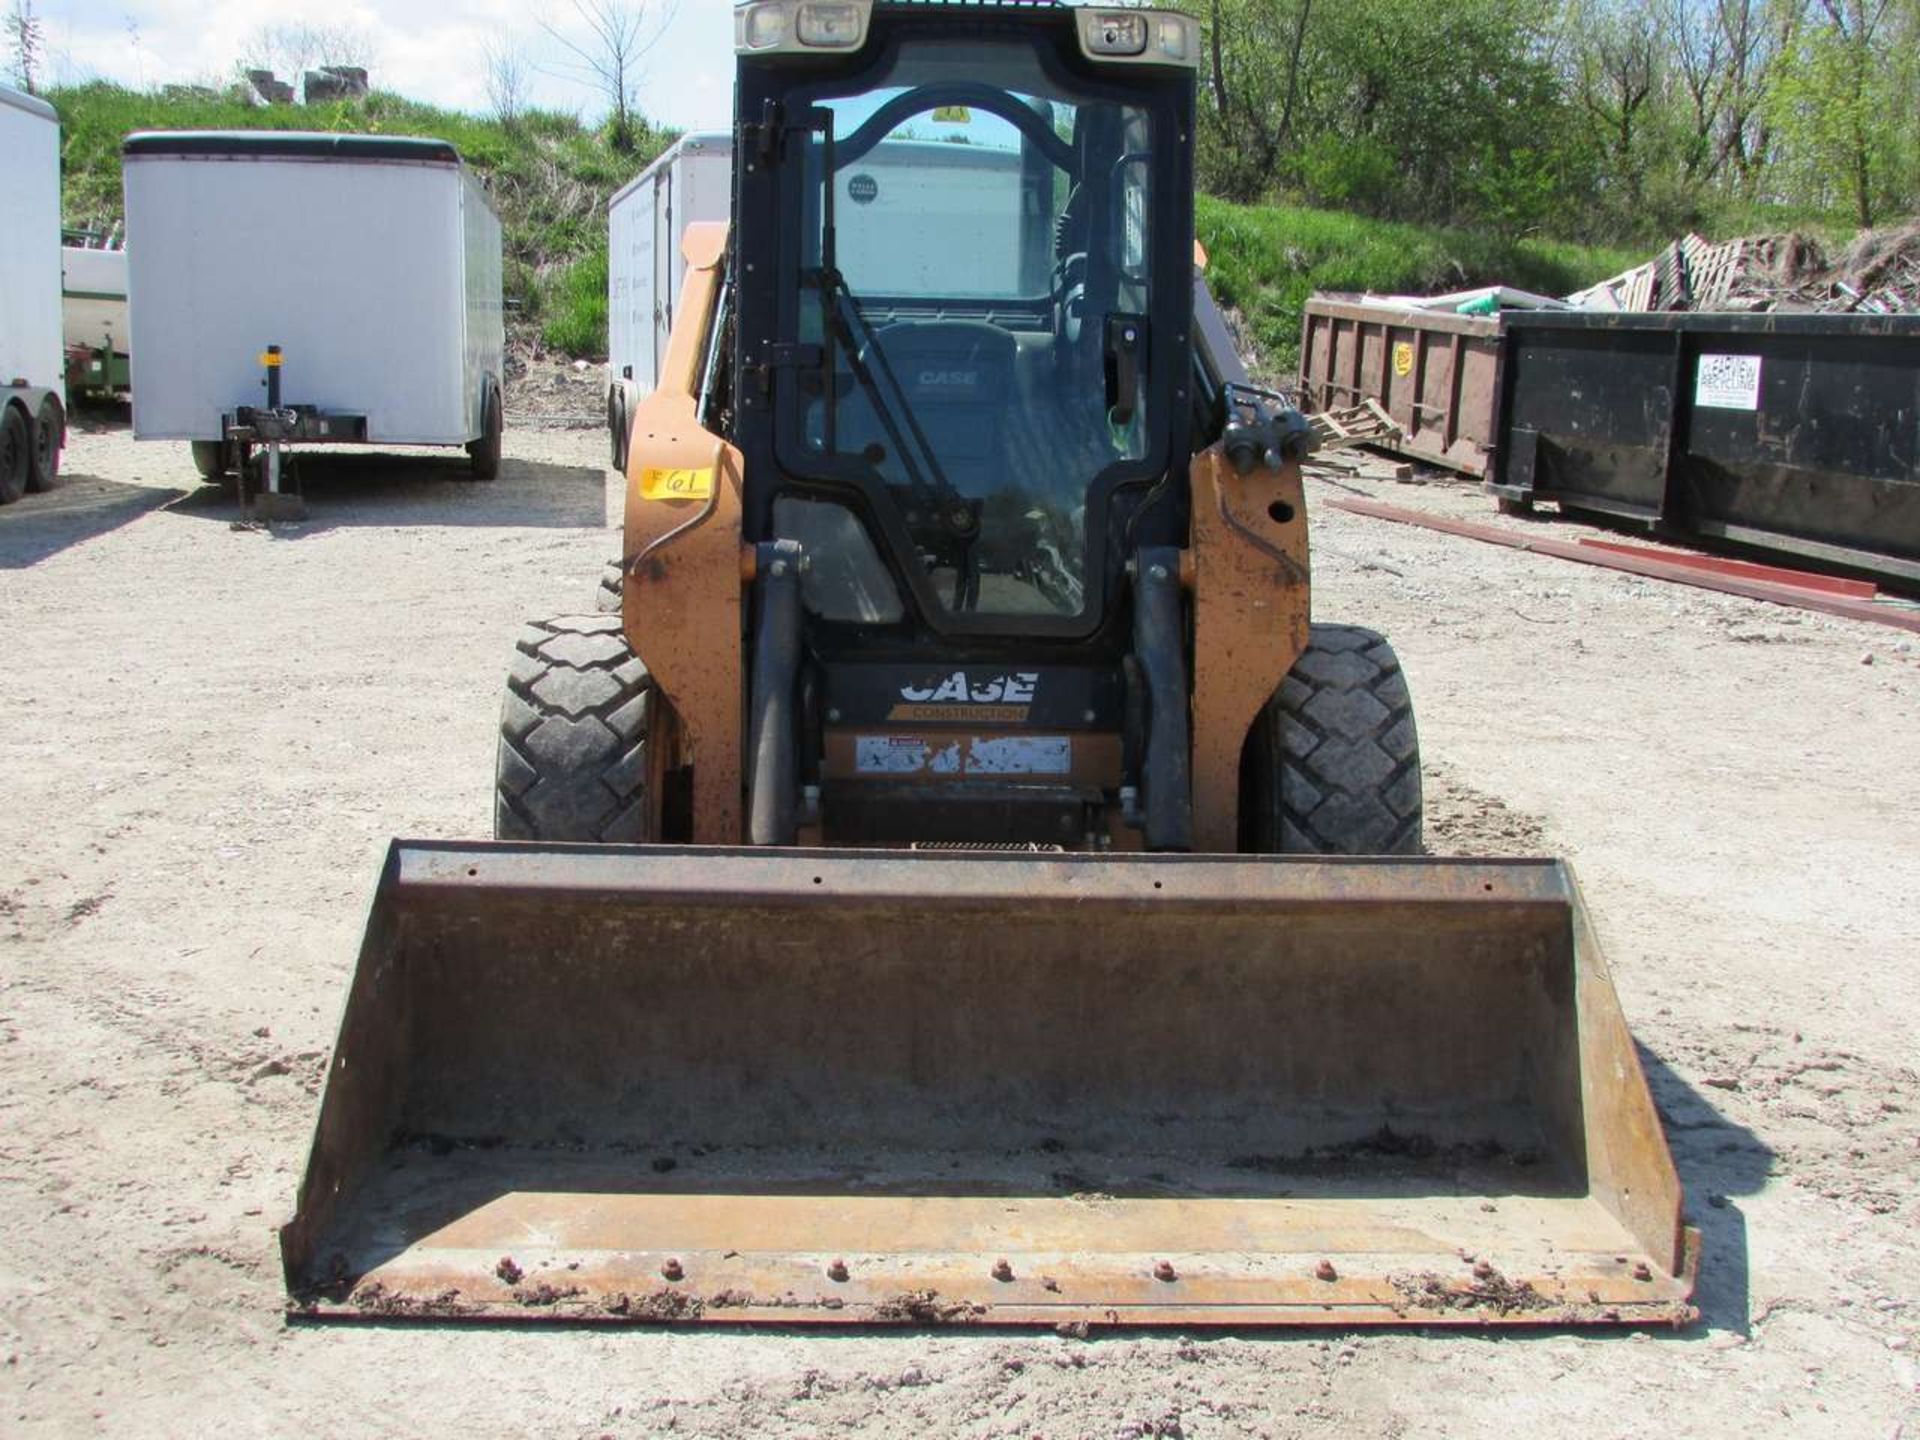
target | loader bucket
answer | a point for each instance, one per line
(714, 1085)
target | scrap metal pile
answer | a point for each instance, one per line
(1878, 273)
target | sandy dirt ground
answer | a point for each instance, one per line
(211, 733)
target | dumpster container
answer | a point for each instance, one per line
(1793, 433)
(1436, 373)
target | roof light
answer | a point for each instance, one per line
(760, 27)
(1140, 37)
(1110, 32)
(1177, 39)
(795, 27)
(831, 27)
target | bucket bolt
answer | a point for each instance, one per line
(837, 1271)
(1165, 1271)
(1325, 1271)
(1002, 1270)
(1642, 1271)
(1482, 1270)
(672, 1270)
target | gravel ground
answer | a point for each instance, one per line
(211, 733)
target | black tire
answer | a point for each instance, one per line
(607, 599)
(484, 453)
(16, 451)
(617, 429)
(1334, 762)
(212, 459)
(572, 762)
(49, 439)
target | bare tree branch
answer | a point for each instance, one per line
(614, 38)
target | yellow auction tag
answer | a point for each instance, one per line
(658, 483)
(1402, 358)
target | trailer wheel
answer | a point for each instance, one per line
(16, 451)
(212, 459)
(485, 452)
(49, 439)
(573, 761)
(1333, 764)
(617, 429)
(608, 598)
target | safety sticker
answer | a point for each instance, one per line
(1020, 755)
(978, 755)
(659, 483)
(1727, 382)
(1402, 359)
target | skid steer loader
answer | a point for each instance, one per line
(959, 884)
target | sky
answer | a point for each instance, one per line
(428, 50)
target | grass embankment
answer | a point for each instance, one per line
(1266, 260)
(550, 177)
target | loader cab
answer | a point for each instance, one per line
(962, 269)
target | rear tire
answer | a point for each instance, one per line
(573, 757)
(49, 438)
(607, 599)
(16, 451)
(617, 430)
(484, 453)
(1334, 761)
(213, 460)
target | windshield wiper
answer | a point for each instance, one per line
(958, 520)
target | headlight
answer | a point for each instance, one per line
(1109, 33)
(831, 27)
(1140, 37)
(794, 27)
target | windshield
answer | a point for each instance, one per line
(974, 268)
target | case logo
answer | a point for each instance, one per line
(962, 696)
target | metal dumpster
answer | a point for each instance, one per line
(1436, 373)
(1793, 433)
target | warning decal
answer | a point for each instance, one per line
(977, 755)
(1727, 382)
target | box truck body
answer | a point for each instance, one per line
(372, 262)
(32, 361)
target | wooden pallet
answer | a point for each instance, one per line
(1364, 424)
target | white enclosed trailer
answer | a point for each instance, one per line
(692, 181)
(33, 422)
(292, 287)
(93, 287)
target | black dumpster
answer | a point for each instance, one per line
(1794, 433)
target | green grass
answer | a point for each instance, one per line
(574, 318)
(1267, 260)
(549, 175)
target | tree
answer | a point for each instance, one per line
(1841, 105)
(506, 69)
(26, 38)
(616, 36)
(1616, 84)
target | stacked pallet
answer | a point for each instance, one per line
(1878, 274)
